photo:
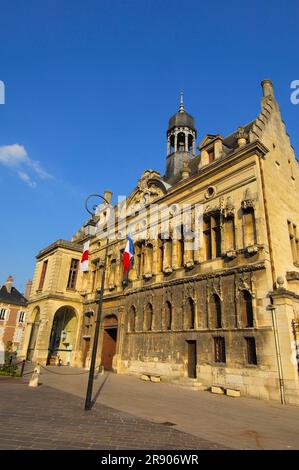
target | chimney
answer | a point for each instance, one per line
(267, 86)
(28, 289)
(9, 284)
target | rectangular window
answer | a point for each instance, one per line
(294, 241)
(251, 350)
(21, 317)
(219, 349)
(43, 274)
(212, 235)
(71, 283)
(3, 313)
(208, 238)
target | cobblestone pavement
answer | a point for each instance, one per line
(238, 423)
(46, 418)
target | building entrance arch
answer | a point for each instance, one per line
(63, 335)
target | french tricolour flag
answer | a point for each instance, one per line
(84, 259)
(128, 255)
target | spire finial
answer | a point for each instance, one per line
(182, 109)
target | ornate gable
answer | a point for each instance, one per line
(149, 188)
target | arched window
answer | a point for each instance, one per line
(148, 323)
(189, 322)
(132, 319)
(167, 316)
(215, 309)
(148, 260)
(246, 309)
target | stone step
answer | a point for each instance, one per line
(187, 382)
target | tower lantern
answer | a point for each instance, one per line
(181, 140)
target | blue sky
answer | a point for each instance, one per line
(90, 86)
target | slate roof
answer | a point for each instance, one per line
(181, 119)
(13, 297)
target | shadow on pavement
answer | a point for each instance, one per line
(93, 402)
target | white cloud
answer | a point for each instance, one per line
(15, 157)
(26, 178)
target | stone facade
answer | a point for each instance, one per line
(222, 314)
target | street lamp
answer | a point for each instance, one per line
(88, 402)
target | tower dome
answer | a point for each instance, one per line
(181, 118)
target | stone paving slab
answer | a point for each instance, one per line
(45, 418)
(238, 423)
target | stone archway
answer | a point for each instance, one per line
(110, 331)
(33, 334)
(63, 336)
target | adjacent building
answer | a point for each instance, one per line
(13, 308)
(224, 312)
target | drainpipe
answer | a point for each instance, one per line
(295, 325)
(278, 355)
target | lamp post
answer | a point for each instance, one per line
(88, 402)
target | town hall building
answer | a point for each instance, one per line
(225, 312)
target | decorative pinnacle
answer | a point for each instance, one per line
(182, 109)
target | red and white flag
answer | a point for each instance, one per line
(84, 260)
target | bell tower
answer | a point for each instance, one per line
(181, 140)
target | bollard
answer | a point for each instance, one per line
(33, 382)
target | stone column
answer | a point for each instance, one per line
(175, 141)
(188, 254)
(175, 245)
(196, 319)
(193, 145)
(186, 141)
(167, 261)
(284, 302)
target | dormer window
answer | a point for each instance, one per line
(211, 155)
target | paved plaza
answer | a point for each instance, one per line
(46, 418)
(132, 414)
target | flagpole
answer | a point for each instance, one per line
(88, 399)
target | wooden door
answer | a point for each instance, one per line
(109, 347)
(86, 348)
(192, 359)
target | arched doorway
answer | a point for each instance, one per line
(110, 327)
(33, 334)
(63, 335)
